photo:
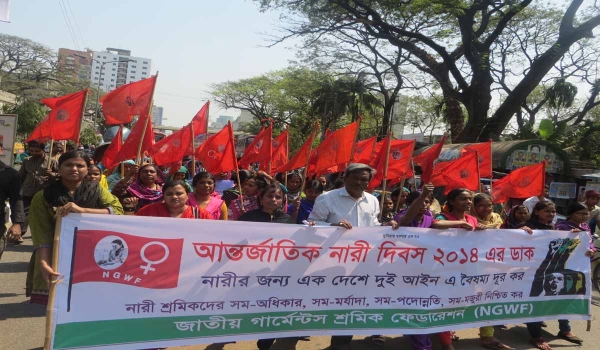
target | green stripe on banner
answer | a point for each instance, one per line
(139, 330)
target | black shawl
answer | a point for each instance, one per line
(87, 195)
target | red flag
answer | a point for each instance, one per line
(427, 158)
(200, 120)
(113, 149)
(260, 149)
(459, 173)
(365, 150)
(279, 155)
(217, 153)
(299, 159)
(484, 149)
(524, 182)
(173, 147)
(107, 256)
(120, 105)
(129, 149)
(336, 149)
(64, 120)
(398, 164)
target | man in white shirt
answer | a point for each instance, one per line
(591, 202)
(532, 201)
(348, 207)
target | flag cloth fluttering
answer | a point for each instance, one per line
(300, 158)
(260, 148)
(173, 147)
(120, 105)
(200, 120)
(129, 149)
(113, 150)
(426, 160)
(64, 120)
(279, 155)
(459, 173)
(365, 150)
(484, 149)
(523, 182)
(398, 162)
(335, 149)
(217, 153)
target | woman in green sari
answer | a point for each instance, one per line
(71, 193)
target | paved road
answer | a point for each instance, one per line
(22, 324)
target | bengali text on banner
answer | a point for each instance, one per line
(132, 282)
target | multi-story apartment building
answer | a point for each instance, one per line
(115, 67)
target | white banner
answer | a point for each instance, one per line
(139, 282)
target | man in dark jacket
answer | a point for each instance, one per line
(10, 188)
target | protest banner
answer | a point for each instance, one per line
(133, 282)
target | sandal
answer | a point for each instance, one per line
(540, 343)
(570, 338)
(453, 336)
(496, 345)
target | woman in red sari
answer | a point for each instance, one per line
(174, 206)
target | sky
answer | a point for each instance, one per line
(193, 43)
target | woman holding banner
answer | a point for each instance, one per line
(249, 199)
(70, 194)
(459, 202)
(176, 197)
(270, 209)
(146, 189)
(418, 215)
(204, 196)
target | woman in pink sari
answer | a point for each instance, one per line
(205, 197)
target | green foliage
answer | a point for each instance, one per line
(546, 129)
(30, 113)
(89, 137)
(561, 94)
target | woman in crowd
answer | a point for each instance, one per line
(115, 177)
(70, 194)
(146, 189)
(454, 215)
(418, 215)
(204, 196)
(270, 209)
(294, 187)
(541, 219)
(95, 174)
(387, 210)
(223, 182)
(516, 218)
(230, 194)
(300, 209)
(184, 175)
(175, 204)
(401, 201)
(249, 201)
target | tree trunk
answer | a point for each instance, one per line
(454, 116)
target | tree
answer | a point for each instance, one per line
(88, 136)
(30, 113)
(451, 41)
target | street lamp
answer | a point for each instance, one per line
(100, 79)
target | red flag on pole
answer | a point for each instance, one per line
(299, 159)
(279, 155)
(217, 154)
(129, 149)
(64, 120)
(365, 150)
(524, 182)
(200, 120)
(113, 149)
(173, 147)
(120, 105)
(427, 158)
(398, 164)
(484, 149)
(260, 148)
(335, 149)
(459, 173)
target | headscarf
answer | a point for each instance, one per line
(184, 170)
(511, 221)
(87, 195)
(143, 193)
(491, 221)
(115, 177)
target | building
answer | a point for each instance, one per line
(8, 99)
(245, 117)
(115, 67)
(157, 115)
(74, 63)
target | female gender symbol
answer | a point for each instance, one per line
(149, 263)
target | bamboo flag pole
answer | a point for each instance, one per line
(397, 204)
(385, 173)
(491, 168)
(193, 151)
(149, 120)
(356, 135)
(412, 164)
(53, 280)
(310, 149)
(83, 105)
(478, 172)
(50, 154)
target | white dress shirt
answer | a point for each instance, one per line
(337, 205)
(531, 202)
